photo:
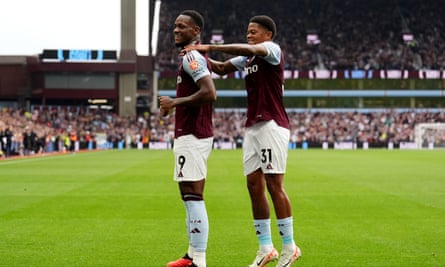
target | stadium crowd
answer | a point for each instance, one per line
(365, 35)
(59, 129)
(362, 35)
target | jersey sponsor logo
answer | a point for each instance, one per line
(250, 69)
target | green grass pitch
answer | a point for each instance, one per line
(122, 208)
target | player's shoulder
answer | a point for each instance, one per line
(194, 59)
(271, 45)
(273, 52)
(195, 64)
(192, 55)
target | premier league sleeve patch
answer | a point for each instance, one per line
(194, 65)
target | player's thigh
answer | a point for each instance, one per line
(273, 141)
(251, 160)
(191, 155)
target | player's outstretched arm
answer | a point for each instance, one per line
(233, 49)
(222, 68)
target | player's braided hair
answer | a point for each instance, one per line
(266, 22)
(196, 17)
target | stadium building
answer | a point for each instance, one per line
(378, 65)
(114, 80)
(407, 72)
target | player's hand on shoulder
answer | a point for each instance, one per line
(188, 48)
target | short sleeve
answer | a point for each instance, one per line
(195, 65)
(273, 53)
(239, 62)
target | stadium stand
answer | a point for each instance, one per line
(52, 129)
(354, 35)
(357, 39)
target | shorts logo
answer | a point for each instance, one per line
(195, 231)
(269, 166)
(194, 65)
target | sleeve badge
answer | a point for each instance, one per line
(194, 65)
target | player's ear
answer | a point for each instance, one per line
(197, 29)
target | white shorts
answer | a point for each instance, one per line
(265, 146)
(191, 156)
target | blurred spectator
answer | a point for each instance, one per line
(353, 34)
(48, 130)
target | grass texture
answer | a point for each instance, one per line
(122, 208)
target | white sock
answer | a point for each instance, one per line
(289, 247)
(199, 259)
(198, 225)
(190, 251)
(263, 233)
(286, 228)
